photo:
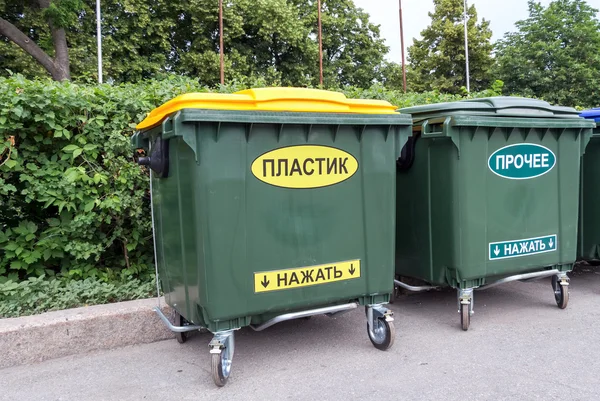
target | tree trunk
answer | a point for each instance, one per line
(59, 66)
(61, 54)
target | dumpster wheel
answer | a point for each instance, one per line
(220, 369)
(380, 326)
(560, 285)
(180, 321)
(465, 316)
(221, 353)
(466, 301)
(385, 332)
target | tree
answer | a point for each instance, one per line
(136, 37)
(438, 59)
(391, 76)
(353, 50)
(262, 38)
(554, 54)
(270, 39)
(56, 14)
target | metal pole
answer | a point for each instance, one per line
(402, 44)
(320, 44)
(221, 50)
(467, 49)
(99, 36)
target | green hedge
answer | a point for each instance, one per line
(72, 202)
(38, 295)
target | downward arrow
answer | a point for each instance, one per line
(265, 282)
(351, 270)
(497, 251)
(551, 243)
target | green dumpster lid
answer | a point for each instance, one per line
(501, 106)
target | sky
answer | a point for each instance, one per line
(502, 15)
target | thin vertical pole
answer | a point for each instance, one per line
(221, 50)
(320, 44)
(467, 49)
(99, 37)
(402, 45)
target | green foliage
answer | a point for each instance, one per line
(38, 295)
(25, 16)
(554, 54)
(63, 13)
(274, 40)
(409, 99)
(264, 38)
(353, 50)
(72, 202)
(438, 60)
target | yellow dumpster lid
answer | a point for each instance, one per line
(270, 99)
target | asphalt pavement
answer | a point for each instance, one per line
(520, 347)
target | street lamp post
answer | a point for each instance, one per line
(467, 48)
(99, 37)
(402, 45)
(221, 50)
(320, 44)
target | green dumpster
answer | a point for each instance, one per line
(270, 205)
(589, 218)
(494, 196)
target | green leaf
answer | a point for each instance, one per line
(31, 227)
(21, 229)
(70, 148)
(77, 152)
(10, 163)
(89, 206)
(53, 222)
(47, 254)
(49, 202)
(18, 111)
(11, 246)
(34, 256)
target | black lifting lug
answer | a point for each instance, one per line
(158, 160)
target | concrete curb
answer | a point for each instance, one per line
(74, 331)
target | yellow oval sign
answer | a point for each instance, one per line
(304, 166)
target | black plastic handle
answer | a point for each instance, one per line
(158, 160)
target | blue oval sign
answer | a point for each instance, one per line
(522, 161)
